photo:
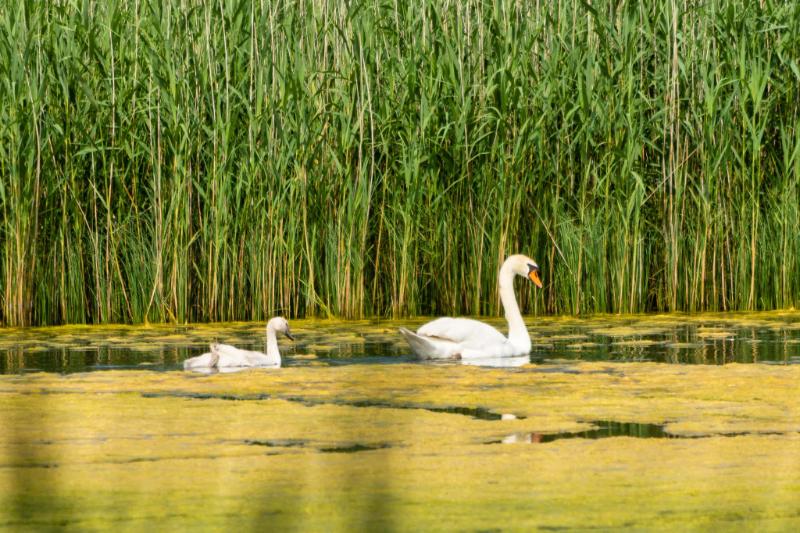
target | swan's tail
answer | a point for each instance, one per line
(422, 347)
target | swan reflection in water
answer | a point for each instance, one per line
(209, 370)
(498, 362)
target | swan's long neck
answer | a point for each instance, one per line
(517, 331)
(272, 344)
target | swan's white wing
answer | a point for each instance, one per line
(231, 356)
(431, 347)
(464, 331)
(447, 338)
(207, 360)
(226, 350)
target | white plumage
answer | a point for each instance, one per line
(227, 356)
(231, 356)
(464, 338)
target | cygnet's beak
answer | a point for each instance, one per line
(289, 334)
(533, 275)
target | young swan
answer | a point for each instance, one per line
(464, 338)
(227, 356)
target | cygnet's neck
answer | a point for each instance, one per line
(517, 331)
(272, 344)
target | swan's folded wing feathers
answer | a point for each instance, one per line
(464, 331)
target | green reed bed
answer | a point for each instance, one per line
(178, 160)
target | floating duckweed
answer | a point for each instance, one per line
(390, 436)
(627, 331)
(635, 343)
(561, 338)
(713, 333)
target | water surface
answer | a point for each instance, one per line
(404, 447)
(717, 339)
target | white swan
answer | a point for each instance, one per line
(227, 356)
(464, 338)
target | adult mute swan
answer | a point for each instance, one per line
(464, 338)
(227, 356)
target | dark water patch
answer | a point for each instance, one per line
(88, 358)
(478, 413)
(603, 429)
(334, 360)
(277, 443)
(302, 443)
(354, 448)
(712, 339)
(206, 396)
(348, 353)
(31, 465)
(608, 428)
(568, 370)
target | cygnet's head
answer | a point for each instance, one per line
(280, 325)
(524, 266)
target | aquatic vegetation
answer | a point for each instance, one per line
(628, 331)
(330, 442)
(704, 338)
(636, 342)
(396, 447)
(173, 161)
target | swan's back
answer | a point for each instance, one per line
(457, 338)
(464, 331)
(207, 360)
(231, 356)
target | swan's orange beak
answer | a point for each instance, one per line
(533, 275)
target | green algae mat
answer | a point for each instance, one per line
(554, 444)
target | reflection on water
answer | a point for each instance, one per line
(602, 429)
(772, 338)
(608, 428)
(498, 362)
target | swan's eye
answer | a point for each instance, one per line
(533, 275)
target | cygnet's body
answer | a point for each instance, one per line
(227, 356)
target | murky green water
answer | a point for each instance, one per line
(703, 339)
